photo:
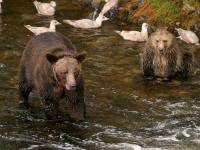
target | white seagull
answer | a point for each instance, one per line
(135, 35)
(87, 23)
(39, 30)
(46, 9)
(110, 4)
(188, 36)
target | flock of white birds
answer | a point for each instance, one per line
(48, 9)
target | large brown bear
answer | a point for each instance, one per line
(163, 57)
(51, 66)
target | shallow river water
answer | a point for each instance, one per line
(124, 112)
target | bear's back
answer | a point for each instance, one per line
(40, 45)
(34, 59)
(45, 42)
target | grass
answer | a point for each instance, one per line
(166, 10)
(163, 11)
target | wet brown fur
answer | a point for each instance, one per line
(172, 62)
(37, 73)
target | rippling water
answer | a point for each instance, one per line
(123, 110)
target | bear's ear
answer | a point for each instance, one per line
(80, 57)
(172, 29)
(56, 54)
(151, 29)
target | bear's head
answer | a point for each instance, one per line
(161, 40)
(66, 67)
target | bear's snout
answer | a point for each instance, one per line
(161, 50)
(70, 87)
(71, 82)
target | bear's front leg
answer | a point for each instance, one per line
(147, 64)
(167, 75)
(24, 88)
(24, 92)
(51, 109)
(76, 103)
(169, 70)
(77, 110)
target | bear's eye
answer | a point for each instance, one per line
(64, 72)
(157, 41)
(165, 41)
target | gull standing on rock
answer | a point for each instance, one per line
(188, 36)
(87, 23)
(46, 9)
(110, 4)
(39, 30)
(135, 35)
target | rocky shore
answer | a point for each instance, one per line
(181, 13)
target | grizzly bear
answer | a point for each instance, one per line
(163, 57)
(51, 66)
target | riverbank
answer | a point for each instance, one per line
(184, 13)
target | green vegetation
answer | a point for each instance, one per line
(166, 10)
(161, 11)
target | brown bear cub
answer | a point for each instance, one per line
(163, 57)
(51, 66)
